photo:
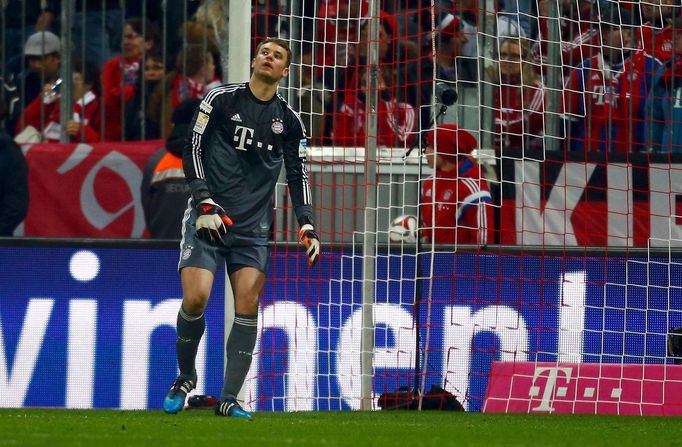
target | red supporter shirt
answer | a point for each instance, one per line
(118, 80)
(86, 111)
(519, 113)
(658, 41)
(396, 122)
(337, 33)
(602, 101)
(463, 211)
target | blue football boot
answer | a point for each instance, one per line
(231, 408)
(175, 399)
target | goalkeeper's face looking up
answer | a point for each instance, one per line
(272, 61)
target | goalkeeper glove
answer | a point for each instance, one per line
(311, 241)
(212, 222)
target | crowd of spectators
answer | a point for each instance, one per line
(618, 66)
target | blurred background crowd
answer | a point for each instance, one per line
(134, 62)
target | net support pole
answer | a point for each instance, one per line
(236, 52)
(65, 70)
(553, 122)
(487, 19)
(235, 57)
(370, 241)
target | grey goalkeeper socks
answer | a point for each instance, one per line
(190, 329)
(239, 350)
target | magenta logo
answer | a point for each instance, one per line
(587, 388)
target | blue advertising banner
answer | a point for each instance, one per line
(95, 327)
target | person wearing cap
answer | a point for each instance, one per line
(164, 189)
(663, 131)
(604, 97)
(43, 55)
(456, 205)
(21, 19)
(44, 115)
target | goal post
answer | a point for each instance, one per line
(573, 269)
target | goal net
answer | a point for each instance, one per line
(524, 255)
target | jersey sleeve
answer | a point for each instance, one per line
(202, 125)
(295, 161)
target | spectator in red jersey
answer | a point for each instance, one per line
(193, 77)
(657, 31)
(664, 104)
(519, 102)
(456, 205)
(604, 96)
(396, 120)
(338, 28)
(580, 37)
(120, 74)
(143, 111)
(43, 113)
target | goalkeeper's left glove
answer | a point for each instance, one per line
(311, 241)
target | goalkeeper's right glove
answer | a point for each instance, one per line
(212, 222)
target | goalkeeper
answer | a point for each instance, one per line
(241, 135)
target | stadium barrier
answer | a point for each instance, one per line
(90, 324)
(623, 200)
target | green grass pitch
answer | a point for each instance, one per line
(102, 428)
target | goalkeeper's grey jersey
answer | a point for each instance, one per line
(235, 155)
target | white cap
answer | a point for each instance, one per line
(42, 43)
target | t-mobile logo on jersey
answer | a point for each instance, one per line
(243, 138)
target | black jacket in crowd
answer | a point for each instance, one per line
(13, 185)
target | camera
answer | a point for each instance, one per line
(445, 94)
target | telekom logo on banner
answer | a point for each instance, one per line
(588, 388)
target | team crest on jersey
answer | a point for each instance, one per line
(277, 126)
(447, 195)
(187, 252)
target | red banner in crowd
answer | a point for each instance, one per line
(86, 190)
(585, 388)
(602, 200)
(614, 200)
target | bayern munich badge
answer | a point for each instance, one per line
(277, 126)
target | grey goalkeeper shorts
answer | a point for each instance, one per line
(236, 251)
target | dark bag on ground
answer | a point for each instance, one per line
(405, 398)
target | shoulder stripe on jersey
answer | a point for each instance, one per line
(473, 200)
(307, 195)
(227, 88)
(300, 121)
(196, 137)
